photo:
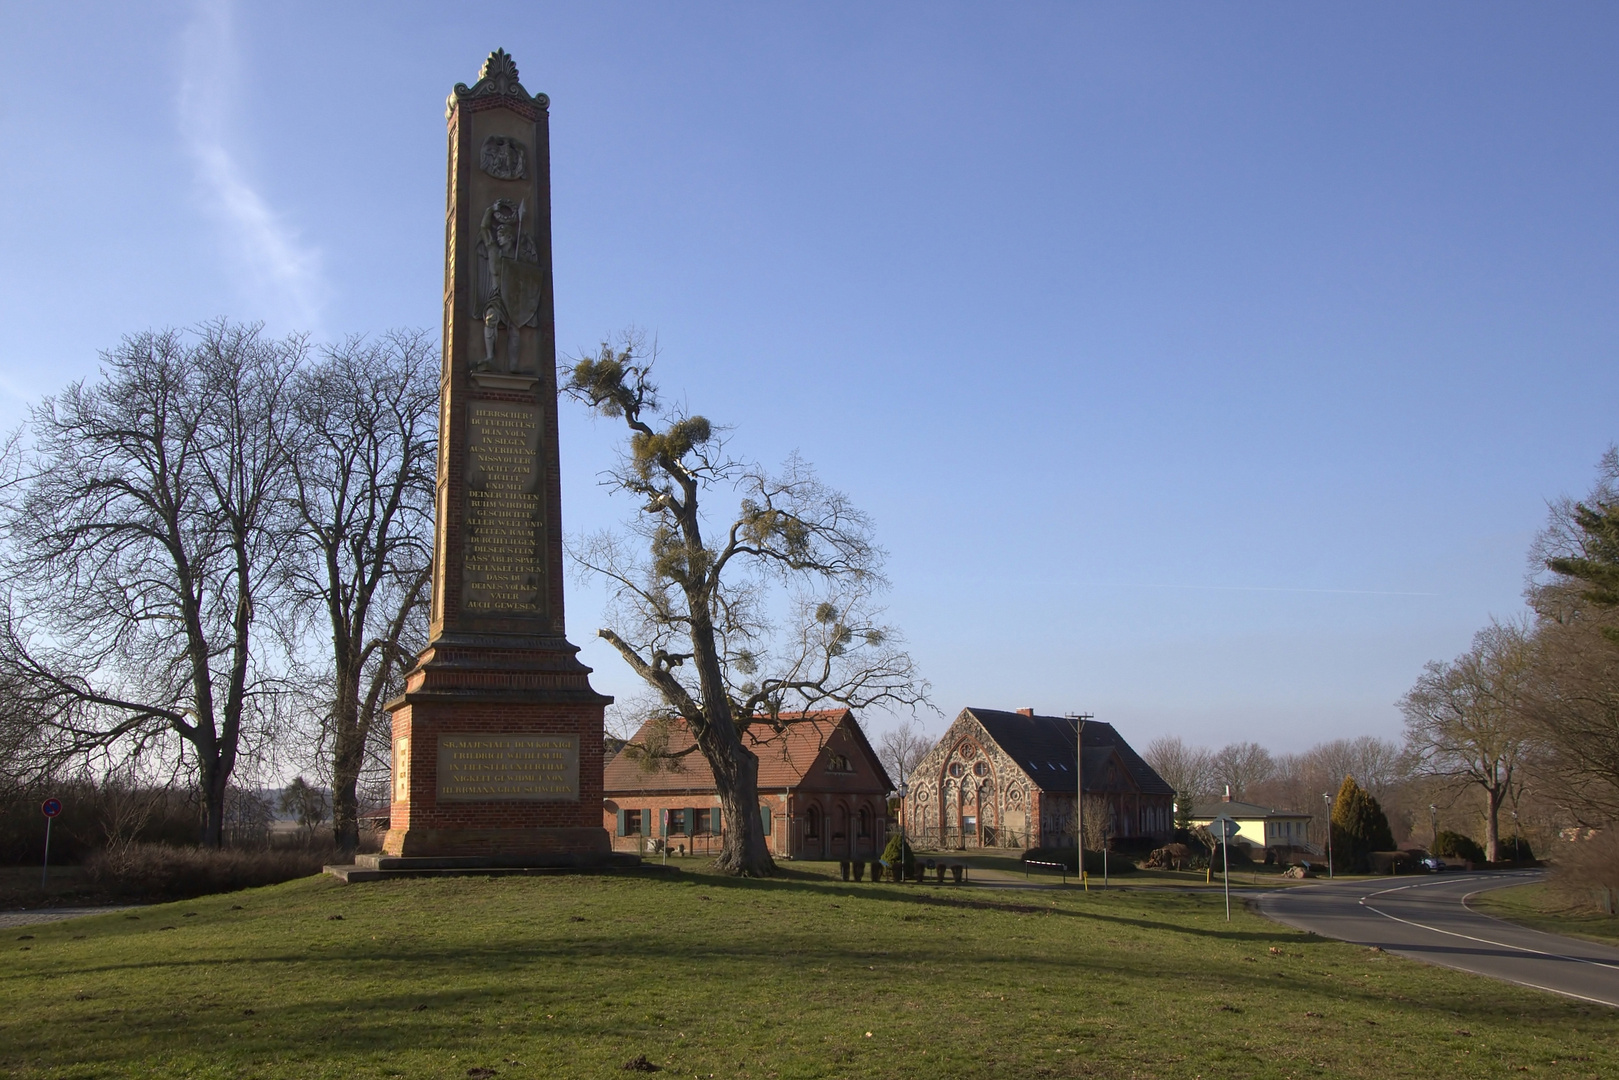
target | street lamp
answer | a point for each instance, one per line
(1433, 822)
(1516, 848)
(1328, 797)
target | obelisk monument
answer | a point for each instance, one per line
(497, 738)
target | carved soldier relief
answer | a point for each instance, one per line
(511, 283)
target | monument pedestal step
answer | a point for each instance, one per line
(378, 867)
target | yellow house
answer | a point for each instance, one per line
(1258, 826)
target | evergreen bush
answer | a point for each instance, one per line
(1515, 848)
(1455, 845)
(898, 850)
(1359, 827)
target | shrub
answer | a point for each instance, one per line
(897, 849)
(1515, 848)
(1455, 845)
(93, 813)
(156, 872)
(1391, 862)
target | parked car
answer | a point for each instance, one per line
(1433, 864)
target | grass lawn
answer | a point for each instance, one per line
(801, 976)
(1541, 907)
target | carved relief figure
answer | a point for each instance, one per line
(511, 282)
(504, 158)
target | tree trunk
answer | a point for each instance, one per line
(736, 778)
(348, 751)
(346, 757)
(1492, 823)
(214, 780)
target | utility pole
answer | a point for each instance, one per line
(1079, 787)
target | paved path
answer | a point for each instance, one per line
(1428, 919)
(35, 916)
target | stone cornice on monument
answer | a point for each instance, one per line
(497, 85)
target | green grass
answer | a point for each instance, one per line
(573, 976)
(1541, 907)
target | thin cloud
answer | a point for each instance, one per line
(1047, 583)
(276, 266)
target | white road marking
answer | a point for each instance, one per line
(1486, 941)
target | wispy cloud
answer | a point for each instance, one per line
(1066, 584)
(276, 266)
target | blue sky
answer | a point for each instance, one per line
(1205, 367)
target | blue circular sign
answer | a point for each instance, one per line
(51, 807)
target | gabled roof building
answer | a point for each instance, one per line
(1008, 779)
(1258, 827)
(822, 792)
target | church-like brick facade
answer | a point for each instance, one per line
(1007, 779)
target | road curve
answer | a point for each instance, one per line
(1428, 919)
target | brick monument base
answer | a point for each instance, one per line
(498, 760)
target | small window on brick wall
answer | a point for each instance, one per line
(629, 823)
(838, 763)
(704, 823)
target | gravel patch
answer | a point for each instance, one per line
(45, 915)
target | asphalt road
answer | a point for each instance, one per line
(1428, 919)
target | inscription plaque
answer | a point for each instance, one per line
(508, 768)
(402, 768)
(505, 538)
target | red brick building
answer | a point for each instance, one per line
(822, 792)
(1007, 779)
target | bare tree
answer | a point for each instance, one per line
(1239, 766)
(1465, 719)
(1187, 769)
(1378, 765)
(902, 747)
(307, 804)
(1098, 822)
(142, 546)
(362, 527)
(776, 614)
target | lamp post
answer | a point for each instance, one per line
(1516, 848)
(1328, 798)
(1433, 824)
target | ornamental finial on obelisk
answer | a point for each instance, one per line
(496, 79)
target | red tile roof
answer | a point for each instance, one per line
(784, 756)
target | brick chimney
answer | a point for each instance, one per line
(1026, 712)
(1227, 794)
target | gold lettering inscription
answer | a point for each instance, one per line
(505, 536)
(508, 768)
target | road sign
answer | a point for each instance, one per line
(1225, 830)
(50, 808)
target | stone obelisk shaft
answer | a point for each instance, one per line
(498, 736)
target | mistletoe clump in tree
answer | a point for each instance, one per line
(773, 613)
